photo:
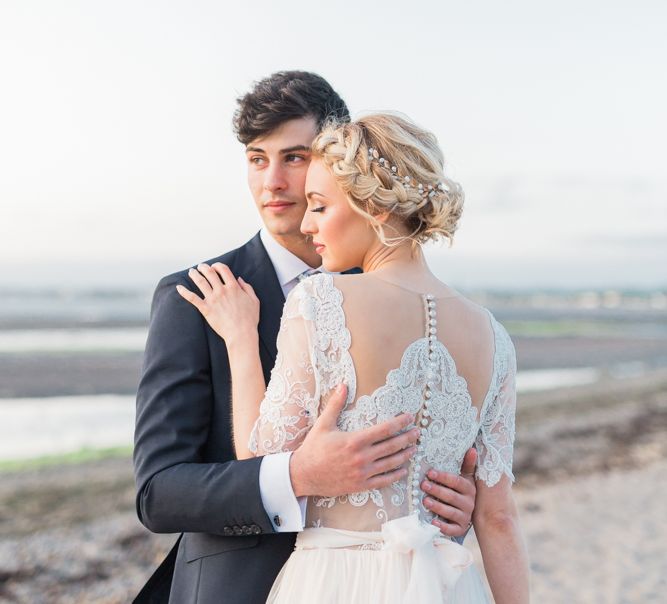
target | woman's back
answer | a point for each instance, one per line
(432, 354)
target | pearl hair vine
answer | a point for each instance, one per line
(408, 182)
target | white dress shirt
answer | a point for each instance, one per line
(286, 511)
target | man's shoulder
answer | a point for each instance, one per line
(235, 259)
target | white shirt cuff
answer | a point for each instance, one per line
(286, 512)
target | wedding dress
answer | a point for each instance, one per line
(387, 344)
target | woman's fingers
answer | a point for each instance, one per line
(198, 279)
(247, 288)
(212, 277)
(191, 297)
(225, 273)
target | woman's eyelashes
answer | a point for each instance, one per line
(318, 209)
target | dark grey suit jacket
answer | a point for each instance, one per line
(188, 480)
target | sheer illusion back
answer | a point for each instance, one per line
(434, 355)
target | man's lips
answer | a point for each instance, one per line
(278, 205)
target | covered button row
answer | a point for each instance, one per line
(237, 531)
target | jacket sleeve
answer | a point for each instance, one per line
(177, 491)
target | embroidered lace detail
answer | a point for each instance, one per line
(313, 358)
(495, 441)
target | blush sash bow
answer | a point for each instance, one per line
(433, 558)
(436, 562)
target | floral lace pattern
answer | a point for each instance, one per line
(313, 358)
(495, 441)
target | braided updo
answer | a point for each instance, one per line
(371, 187)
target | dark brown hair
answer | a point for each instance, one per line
(284, 96)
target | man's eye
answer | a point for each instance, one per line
(257, 160)
(294, 158)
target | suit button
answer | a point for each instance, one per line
(227, 531)
(256, 530)
(276, 520)
(237, 530)
(246, 530)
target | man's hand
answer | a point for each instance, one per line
(452, 497)
(331, 462)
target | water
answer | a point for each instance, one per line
(549, 379)
(42, 324)
(118, 339)
(35, 427)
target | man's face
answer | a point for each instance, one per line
(277, 167)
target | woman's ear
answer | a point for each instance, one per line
(382, 217)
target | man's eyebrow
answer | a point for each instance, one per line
(253, 150)
(295, 148)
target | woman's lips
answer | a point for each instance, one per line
(318, 247)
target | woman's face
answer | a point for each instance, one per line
(341, 236)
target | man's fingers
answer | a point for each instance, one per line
(335, 404)
(445, 494)
(448, 512)
(203, 285)
(469, 462)
(392, 462)
(387, 429)
(450, 530)
(394, 444)
(191, 297)
(453, 481)
(384, 480)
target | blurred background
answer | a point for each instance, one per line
(118, 165)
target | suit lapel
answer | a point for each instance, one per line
(262, 276)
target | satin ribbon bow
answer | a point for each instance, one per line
(436, 565)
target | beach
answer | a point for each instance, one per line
(591, 487)
(590, 457)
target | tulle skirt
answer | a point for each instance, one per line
(406, 563)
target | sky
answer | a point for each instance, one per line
(118, 163)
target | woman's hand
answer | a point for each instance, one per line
(229, 305)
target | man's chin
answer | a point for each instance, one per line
(280, 228)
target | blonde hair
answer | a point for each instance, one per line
(372, 189)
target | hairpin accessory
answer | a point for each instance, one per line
(408, 182)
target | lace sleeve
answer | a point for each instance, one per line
(495, 441)
(291, 401)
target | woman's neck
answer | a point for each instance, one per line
(398, 260)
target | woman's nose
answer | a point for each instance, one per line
(307, 224)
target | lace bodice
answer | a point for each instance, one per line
(314, 356)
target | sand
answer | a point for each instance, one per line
(591, 464)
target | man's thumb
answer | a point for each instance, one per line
(334, 406)
(469, 462)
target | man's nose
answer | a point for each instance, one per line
(274, 179)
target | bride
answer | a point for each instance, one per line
(401, 341)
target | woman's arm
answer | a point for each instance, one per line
(495, 515)
(231, 308)
(496, 523)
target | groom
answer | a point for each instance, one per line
(238, 519)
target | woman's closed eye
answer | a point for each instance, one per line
(318, 209)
